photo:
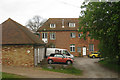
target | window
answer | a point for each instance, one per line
(91, 47)
(44, 35)
(60, 56)
(79, 49)
(52, 25)
(71, 24)
(52, 36)
(79, 35)
(72, 48)
(66, 53)
(52, 46)
(72, 35)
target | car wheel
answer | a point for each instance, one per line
(69, 62)
(93, 56)
(50, 61)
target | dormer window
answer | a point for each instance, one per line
(52, 25)
(71, 24)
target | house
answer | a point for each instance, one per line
(63, 33)
(20, 47)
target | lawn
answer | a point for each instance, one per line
(8, 76)
(68, 70)
(110, 65)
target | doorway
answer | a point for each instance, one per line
(84, 51)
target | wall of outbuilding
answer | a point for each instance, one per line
(18, 55)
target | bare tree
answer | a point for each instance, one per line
(35, 23)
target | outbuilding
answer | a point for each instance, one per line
(20, 47)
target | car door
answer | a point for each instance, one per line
(59, 58)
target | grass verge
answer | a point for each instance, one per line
(9, 76)
(68, 70)
(110, 65)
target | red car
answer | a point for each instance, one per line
(59, 58)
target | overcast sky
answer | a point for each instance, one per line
(23, 10)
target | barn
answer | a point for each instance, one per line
(20, 47)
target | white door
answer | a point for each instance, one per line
(84, 51)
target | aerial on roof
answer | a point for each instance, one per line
(61, 24)
(15, 33)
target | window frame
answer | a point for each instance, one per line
(91, 48)
(51, 36)
(53, 46)
(79, 35)
(71, 24)
(79, 48)
(72, 47)
(51, 25)
(45, 34)
(71, 35)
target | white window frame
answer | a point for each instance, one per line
(51, 36)
(91, 48)
(71, 24)
(45, 35)
(72, 35)
(52, 25)
(72, 48)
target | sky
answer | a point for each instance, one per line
(23, 10)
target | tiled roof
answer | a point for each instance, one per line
(58, 23)
(15, 33)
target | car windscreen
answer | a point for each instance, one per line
(94, 53)
(66, 53)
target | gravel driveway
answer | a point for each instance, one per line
(91, 69)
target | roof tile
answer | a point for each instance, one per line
(15, 33)
(58, 22)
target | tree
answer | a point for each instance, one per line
(35, 23)
(102, 21)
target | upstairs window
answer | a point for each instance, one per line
(91, 47)
(52, 36)
(72, 35)
(52, 25)
(71, 24)
(79, 35)
(44, 35)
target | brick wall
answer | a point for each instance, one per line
(63, 40)
(18, 55)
